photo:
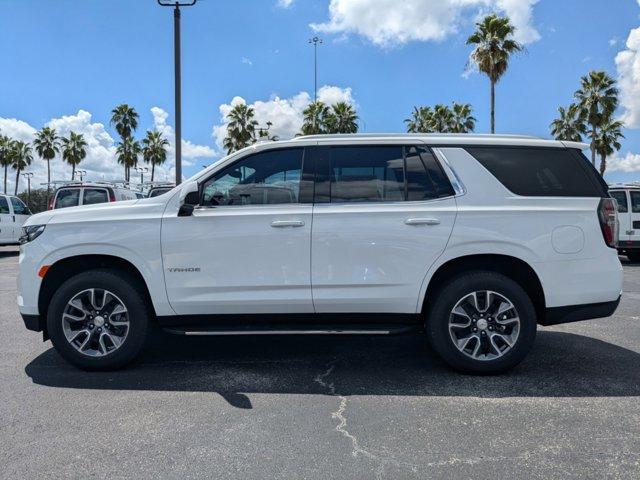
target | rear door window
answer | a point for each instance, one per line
(67, 197)
(95, 195)
(537, 171)
(4, 205)
(635, 201)
(621, 198)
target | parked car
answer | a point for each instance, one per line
(473, 240)
(158, 190)
(74, 194)
(628, 198)
(13, 214)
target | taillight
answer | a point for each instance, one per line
(51, 203)
(112, 196)
(608, 216)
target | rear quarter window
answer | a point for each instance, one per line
(67, 197)
(540, 172)
(621, 198)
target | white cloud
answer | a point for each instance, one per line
(247, 61)
(390, 22)
(628, 66)
(629, 163)
(100, 162)
(285, 3)
(613, 41)
(285, 113)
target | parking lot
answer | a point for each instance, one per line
(291, 407)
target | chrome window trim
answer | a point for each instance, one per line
(456, 182)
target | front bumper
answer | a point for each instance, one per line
(575, 313)
(33, 322)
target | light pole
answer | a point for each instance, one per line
(176, 52)
(142, 171)
(28, 176)
(82, 173)
(315, 41)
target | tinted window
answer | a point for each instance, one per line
(158, 191)
(425, 178)
(635, 201)
(271, 177)
(67, 197)
(19, 208)
(4, 205)
(95, 195)
(539, 171)
(621, 198)
(367, 174)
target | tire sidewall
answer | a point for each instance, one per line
(457, 288)
(123, 287)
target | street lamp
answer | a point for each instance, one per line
(28, 176)
(315, 41)
(142, 171)
(82, 173)
(176, 49)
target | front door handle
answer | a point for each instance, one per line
(422, 221)
(287, 223)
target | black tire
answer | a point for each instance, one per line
(446, 298)
(634, 257)
(128, 291)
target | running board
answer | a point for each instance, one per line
(294, 330)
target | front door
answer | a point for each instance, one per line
(246, 248)
(20, 214)
(6, 222)
(383, 214)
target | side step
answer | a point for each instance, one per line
(354, 329)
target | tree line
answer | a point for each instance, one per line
(47, 144)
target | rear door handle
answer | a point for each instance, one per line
(287, 223)
(422, 221)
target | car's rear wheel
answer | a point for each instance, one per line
(481, 322)
(98, 320)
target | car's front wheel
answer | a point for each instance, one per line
(98, 320)
(481, 322)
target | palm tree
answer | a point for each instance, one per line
(125, 119)
(240, 129)
(494, 44)
(598, 96)
(421, 120)
(570, 124)
(21, 156)
(608, 140)
(315, 118)
(127, 153)
(5, 156)
(462, 121)
(341, 118)
(74, 150)
(47, 145)
(442, 119)
(154, 149)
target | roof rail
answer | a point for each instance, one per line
(330, 136)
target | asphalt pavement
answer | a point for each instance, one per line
(320, 407)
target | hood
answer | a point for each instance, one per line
(83, 212)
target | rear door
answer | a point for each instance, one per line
(382, 215)
(20, 214)
(6, 222)
(634, 214)
(624, 216)
(91, 196)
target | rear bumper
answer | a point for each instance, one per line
(626, 245)
(575, 313)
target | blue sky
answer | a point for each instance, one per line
(69, 62)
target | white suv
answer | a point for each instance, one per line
(13, 214)
(474, 240)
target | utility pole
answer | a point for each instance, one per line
(178, 80)
(28, 176)
(142, 171)
(82, 173)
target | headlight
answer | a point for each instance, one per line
(30, 233)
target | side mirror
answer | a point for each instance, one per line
(189, 198)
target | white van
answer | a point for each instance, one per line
(628, 198)
(76, 194)
(13, 213)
